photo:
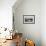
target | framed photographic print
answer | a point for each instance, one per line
(28, 19)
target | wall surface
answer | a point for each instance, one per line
(30, 31)
(36, 31)
(6, 13)
(43, 22)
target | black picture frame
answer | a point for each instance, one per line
(28, 19)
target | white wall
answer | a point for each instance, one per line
(43, 22)
(31, 31)
(6, 13)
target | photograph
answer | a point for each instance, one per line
(28, 19)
